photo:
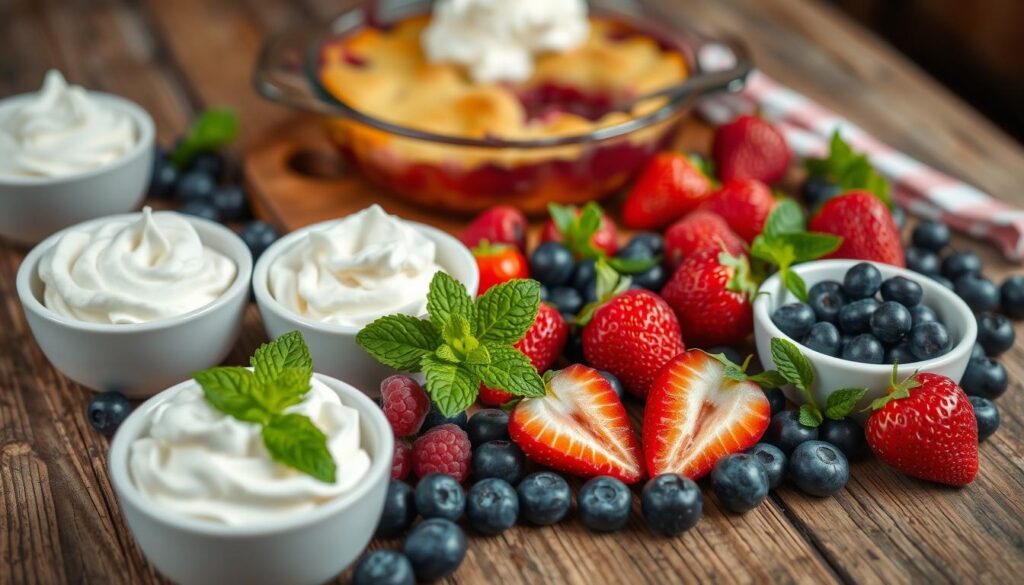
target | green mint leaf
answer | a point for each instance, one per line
(785, 218)
(446, 353)
(232, 390)
(294, 441)
(457, 328)
(506, 311)
(795, 284)
(287, 389)
(810, 416)
(480, 356)
(211, 130)
(841, 402)
(633, 265)
(399, 341)
(448, 297)
(792, 364)
(563, 216)
(452, 387)
(849, 170)
(510, 371)
(287, 351)
(773, 250)
(810, 245)
(768, 379)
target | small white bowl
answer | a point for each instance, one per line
(833, 373)
(311, 547)
(333, 347)
(139, 359)
(32, 208)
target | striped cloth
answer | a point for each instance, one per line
(920, 189)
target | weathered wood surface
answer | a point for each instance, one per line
(59, 521)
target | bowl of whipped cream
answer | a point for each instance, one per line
(207, 504)
(136, 302)
(68, 155)
(330, 279)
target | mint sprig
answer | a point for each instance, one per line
(280, 378)
(578, 227)
(784, 242)
(738, 372)
(211, 130)
(797, 370)
(462, 344)
(849, 170)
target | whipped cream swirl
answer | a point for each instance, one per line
(195, 460)
(497, 40)
(62, 131)
(133, 270)
(355, 270)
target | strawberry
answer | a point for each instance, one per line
(866, 226)
(669, 187)
(582, 228)
(498, 263)
(697, 232)
(925, 427)
(710, 294)
(632, 336)
(579, 427)
(696, 414)
(750, 148)
(542, 344)
(502, 224)
(744, 204)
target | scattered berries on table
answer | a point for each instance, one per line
(399, 510)
(846, 435)
(750, 148)
(930, 235)
(435, 418)
(980, 293)
(922, 261)
(995, 333)
(1011, 294)
(987, 414)
(499, 458)
(818, 468)
(710, 295)
(258, 236)
(672, 504)
(700, 231)
(435, 547)
(544, 498)
(107, 410)
(404, 403)
(773, 460)
(866, 226)
(439, 495)
(744, 204)
(786, 432)
(384, 567)
(492, 506)
(740, 482)
(668, 187)
(401, 463)
(960, 263)
(551, 264)
(501, 224)
(443, 449)
(604, 504)
(498, 263)
(984, 377)
(488, 424)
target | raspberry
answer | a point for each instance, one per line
(443, 449)
(402, 461)
(492, 397)
(405, 404)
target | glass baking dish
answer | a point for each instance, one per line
(466, 175)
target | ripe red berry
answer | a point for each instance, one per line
(443, 449)
(405, 404)
(401, 463)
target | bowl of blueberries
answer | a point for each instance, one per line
(860, 318)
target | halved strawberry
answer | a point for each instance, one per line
(580, 427)
(696, 414)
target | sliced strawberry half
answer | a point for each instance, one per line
(580, 427)
(696, 414)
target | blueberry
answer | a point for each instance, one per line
(899, 217)
(435, 548)
(543, 294)
(672, 504)
(862, 281)
(980, 293)
(544, 498)
(817, 190)
(899, 353)
(827, 298)
(818, 468)
(987, 415)
(614, 381)
(930, 235)
(901, 290)
(258, 235)
(856, 317)
(977, 351)
(1011, 294)
(230, 201)
(635, 250)
(776, 400)
(584, 276)
(958, 264)
(823, 338)
(384, 567)
(399, 510)
(864, 348)
(604, 503)
(435, 418)
(651, 279)
(942, 280)
(651, 241)
(439, 495)
(163, 180)
(492, 506)
(891, 322)
(210, 163)
(922, 314)
(786, 432)
(488, 424)
(985, 377)
(773, 460)
(794, 319)
(106, 411)
(995, 333)
(846, 435)
(196, 185)
(922, 261)
(566, 299)
(740, 482)
(203, 209)
(574, 347)
(552, 264)
(501, 459)
(929, 340)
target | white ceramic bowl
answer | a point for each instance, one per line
(333, 347)
(832, 373)
(32, 208)
(311, 547)
(139, 359)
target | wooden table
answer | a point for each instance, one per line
(59, 521)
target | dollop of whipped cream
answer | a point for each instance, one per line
(62, 131)
(497, 40)
(133, 270)
(365, 266)
(195, 460)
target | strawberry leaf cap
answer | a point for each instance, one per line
(898, 390)
(849, 170)
(609, 285)
(742, 278)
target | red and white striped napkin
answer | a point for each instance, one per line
(922, 190)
